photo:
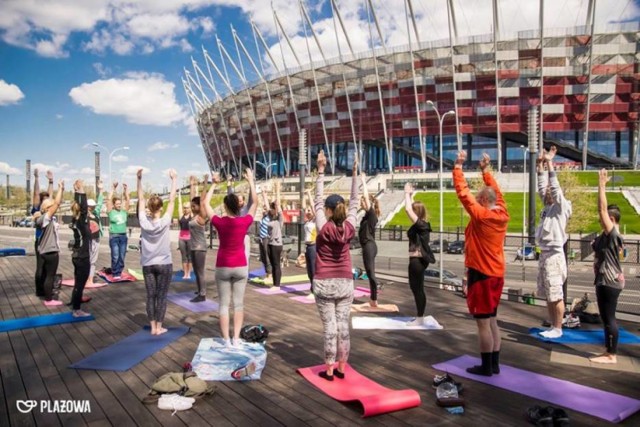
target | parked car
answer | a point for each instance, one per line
(26, 222)
(288, 240)
(435, 246)
(450, 278)
(530, 252)
(456, 247)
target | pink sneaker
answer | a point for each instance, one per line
(80, 313)
(52, 303)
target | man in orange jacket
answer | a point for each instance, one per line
(484, 259)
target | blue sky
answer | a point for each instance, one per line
(109, 71)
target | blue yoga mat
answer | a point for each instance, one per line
(12, 252)
(593, 336)
(259, 272)
(178, 276)
(127, 353)
(183, 300)
(37, 321)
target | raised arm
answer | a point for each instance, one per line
(179, 204)
(81, 198)
(192, 187)
(141, 201)
(50, 185)
(126, 197)
(172, 193)
(35, 201)
(230, 189)
(99, 198)
(310, 202)
(556, 190)
(490, 181)
(56, 202)
(353, 199)
(543, 179)
(603, 212)
(253, 195)
(110, 196)
(318, 209)
(278, 201)
(365, 191)
(408, 202)
(205, 198)
(470, 204)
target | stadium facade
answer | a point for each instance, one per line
(584, 82)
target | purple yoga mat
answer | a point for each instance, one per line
(602, 404)
(182, 299)
(303, 299)
(284, 289)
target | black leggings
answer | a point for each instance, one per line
(607, 303)
(264, 254)
(157, 279)
(198, 259)
(81, 268)
(274, 259)
(417, 266)
(39, 275)
(310, 259)
(369, 252)
(49, 269)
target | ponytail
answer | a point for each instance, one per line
(339, 214)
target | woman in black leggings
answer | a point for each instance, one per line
(420, 254)
(367, 236)
(609, 279)
(275, 238)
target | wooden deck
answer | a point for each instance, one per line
(34, 362)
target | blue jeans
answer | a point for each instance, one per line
(118, 245)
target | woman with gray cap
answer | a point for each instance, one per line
(333, 281)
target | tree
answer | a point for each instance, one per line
(583, 202)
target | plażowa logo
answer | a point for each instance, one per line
(55, 406)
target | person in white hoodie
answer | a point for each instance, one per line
(551, 236)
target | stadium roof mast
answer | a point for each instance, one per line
(336, 12)
(387, 142)
(223, 123)
(408, 4)
(303, 11)
(266, 84)
(246, 88)
(496, 35)
(590, 22)
(451, 20)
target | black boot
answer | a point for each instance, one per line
(485, 368)
(495, 362)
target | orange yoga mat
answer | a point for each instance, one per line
(374, 398)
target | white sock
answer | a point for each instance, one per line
(418, 321)
(553, 333)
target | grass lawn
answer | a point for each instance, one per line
(453, 211)
(619, 178)
(216, 200)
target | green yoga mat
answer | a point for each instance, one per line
(285, 279)
(136, 273)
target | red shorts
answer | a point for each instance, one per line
(483, 294)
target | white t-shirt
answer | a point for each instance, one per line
(155, 240)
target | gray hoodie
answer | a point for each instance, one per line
(551, 233)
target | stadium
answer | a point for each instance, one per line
(577, 87)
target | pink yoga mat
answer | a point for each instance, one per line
(303, 299)
(602, 404)
(285, 289)
(71, 282)
(374, 398)
(124, 277)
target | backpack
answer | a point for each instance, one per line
(183, 383)
(254, 333)
(586, 310)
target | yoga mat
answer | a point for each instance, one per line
(12, 252)
(374, 398)
(214, 361)
(284, 289)
(285, 279)
(363, 289)
(593, 336)
(359, 294)
(124, 277)
(602, 404)
(381, 308)
(136, 273)
(183, 300)
(625, 363)
(128, 352)
(259, 272)
(71, 282)
(37, 321)
(392, 323)
(178, 276)
(303, 299)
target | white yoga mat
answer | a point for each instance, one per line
(392, 323)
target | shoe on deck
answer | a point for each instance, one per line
(245, 371)
(198, 298)
(446, 378)
(540, 416)
(80, 313)
(53, 303)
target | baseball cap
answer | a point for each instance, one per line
(333, 200)
(91, 202)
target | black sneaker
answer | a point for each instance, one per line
(199, 298)
(560, 417)
(540, 416)
(446, 378)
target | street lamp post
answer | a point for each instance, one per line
(267, 168)
(525, 150)
(441, 121)
(95, 144)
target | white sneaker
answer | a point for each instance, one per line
(80, 313)
(175, 402)
(418, 321)
(236, 343)
(553, 333)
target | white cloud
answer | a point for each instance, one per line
(87, 171)
(53, 48)
(101, 69)
(161, 26)
(141, 98)
(56, 168)
(207, 25)
(59, 116)
(132, 170)
(158, 146)
(120, 158)
(9, 93)
(7, 169)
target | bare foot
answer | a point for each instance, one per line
(161, 331)
(605, 358)
(153, 332)
(373, 304)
